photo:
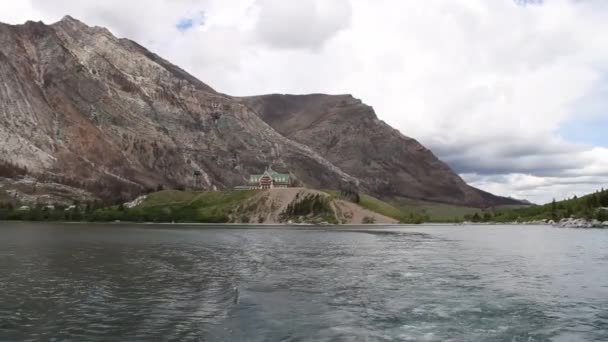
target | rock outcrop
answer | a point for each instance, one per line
(29, 191)
(80, 107)
(580, 223)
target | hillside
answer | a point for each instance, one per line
(291, 205)
(586, 207)
(82, 108)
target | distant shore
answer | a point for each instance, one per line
(576, 224)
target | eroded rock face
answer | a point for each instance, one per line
(349, 134)
(81, 107)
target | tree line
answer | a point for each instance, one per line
(590, 207)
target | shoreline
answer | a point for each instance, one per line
(300, 226)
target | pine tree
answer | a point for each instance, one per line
(476, 217)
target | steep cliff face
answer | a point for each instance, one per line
(81, 107)
(349, 134)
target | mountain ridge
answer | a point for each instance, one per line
(349, 134)
(80, 106)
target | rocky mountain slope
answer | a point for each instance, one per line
(81, 107)
(349, 134)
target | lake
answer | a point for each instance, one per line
(433, 283)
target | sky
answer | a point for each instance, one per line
(512, 94)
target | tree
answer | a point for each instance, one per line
(604, 198)
(487, 217)
(602, 215)
(350, 193)
(10, 170)
(592, 201)
(476, 218)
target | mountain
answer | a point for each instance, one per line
(348, 133)
(80, 107)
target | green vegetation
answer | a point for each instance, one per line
(587, 207)
(163, 206)
(407, 210)
(415, 211)
(314, 207)
(386, 209)
(180, 206)
(378, 206)
(433, 212)
(168, 197)
(234, 206)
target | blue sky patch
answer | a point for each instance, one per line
(589, 125)
(592, 132)
(184, 24)
(528, 2)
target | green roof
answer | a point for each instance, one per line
(276, 177)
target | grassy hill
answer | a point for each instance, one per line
(253, 206)
(406, 210)
(179, 206)
(443, 212)
(163, 206)
(381, 207)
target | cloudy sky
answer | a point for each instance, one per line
(513, 94)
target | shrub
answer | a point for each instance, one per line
(309, 205)
(368, 220)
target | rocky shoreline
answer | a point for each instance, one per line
(570, 223)
(564, 223)
(581, 223)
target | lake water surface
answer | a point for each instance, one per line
(149, 283)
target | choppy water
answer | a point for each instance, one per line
(100, 283)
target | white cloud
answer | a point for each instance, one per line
(18, 12)
(485, 84)
(300, 24)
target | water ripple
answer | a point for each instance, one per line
(101, 283)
